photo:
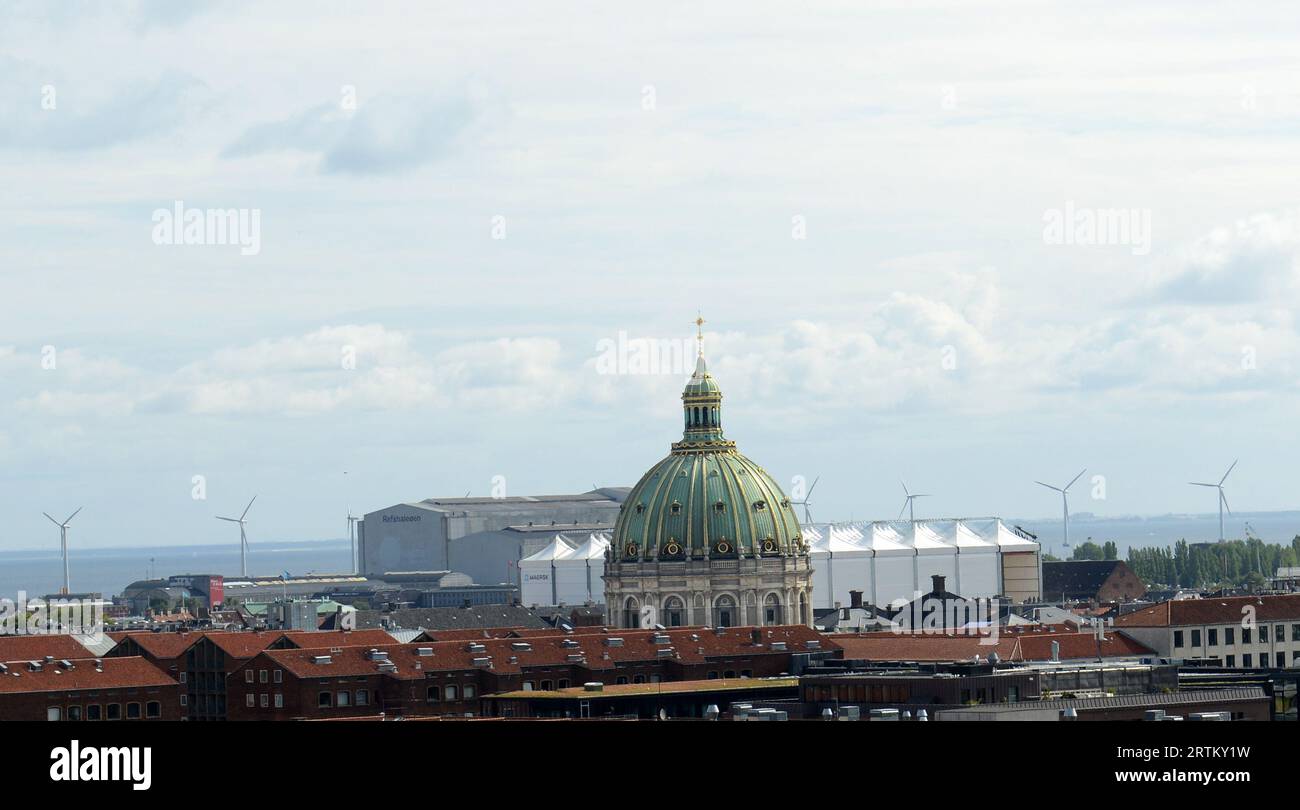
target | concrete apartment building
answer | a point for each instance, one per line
(1240, 631)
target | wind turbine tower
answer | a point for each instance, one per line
(243, 537)
(63, 541)
(805, 503)
(1223, 499)
(1065, 504)
(908, 505)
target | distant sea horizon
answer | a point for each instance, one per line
(109, 569)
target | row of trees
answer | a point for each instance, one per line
(1234, 562)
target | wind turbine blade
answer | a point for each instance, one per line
(246, 508)
(922, 495)
(1049, 486)
(232, 520)
(52, 520)
(1076, 478)
(808, 494)
(904, 483)
(1224, 496)
(1229, 472)
(906, 501)
(1199, 484)
(74, 514)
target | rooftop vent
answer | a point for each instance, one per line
(573, 658)
(778, 646)
(521, 646)
(614, 641)
(424, 652)
(387, 666)
(482, 662)
(322, 659)
(593, 686)
(65, 663)
(35, 666)
(813, 644)
(377, 655)
(475, 647)
(569, 643)
(660, 638)
(664, 652)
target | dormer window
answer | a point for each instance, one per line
(676, 508)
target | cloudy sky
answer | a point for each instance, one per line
(459, 205)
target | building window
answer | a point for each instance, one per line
(133, 711)
(94, 712)
(1231, 661)
(546, 686)
(53, 714)
(183, 675)
(528, 686)
(450, 693)
(622, 679)
(261, 676)
(363, 697)
(731, 673)
(1229, 635)
(1263, 634)
(1295, 632)
(153, 709)
(279, 700)
(264, 700)
(1279, 632)
(248, 676)
(674, 612)
(713, 675)
(324, 700)
(1245, 635)
(1213, 636)
(470, 691)
(747, 673)
(1246, 661)
(185, 699)
(638, 679)
(344, 699)
(1013, 694)
(1263, 659)
(278, 677)
(432, 694)
(115, 711)
(1178, 638)
(1196, 638)
(74, 712)
(250, 700)
(564, 683)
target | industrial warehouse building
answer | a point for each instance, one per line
(482, 537)
(892, 562)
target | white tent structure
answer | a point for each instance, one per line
(538, 574)
(578, 576)
(893, 561)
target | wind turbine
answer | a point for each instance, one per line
(907, 504)
(352, 539)
(805, 503)
(243, 538)
(63, 541)
(1223, 499)
(1065, 503)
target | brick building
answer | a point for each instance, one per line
(451, 677)
(1240, 631)
(201, 661)
(1091, 581)
(1012, 644)
(87, 689)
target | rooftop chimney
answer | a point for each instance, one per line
(855, 599)
(938, 583)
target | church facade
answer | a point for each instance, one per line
(707, 537)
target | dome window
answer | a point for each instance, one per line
(785, 503)
(676, 508)
(759, 506)
(640, 508)
(719, 507)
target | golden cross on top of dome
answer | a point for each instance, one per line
(699, 332)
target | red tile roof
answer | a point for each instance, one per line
(308, 639)
(1009, 647)
(1219, 610)
(112, 673)
(34, 648)
(687, 646)
(246, 644)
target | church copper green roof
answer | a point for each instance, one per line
(705, 499)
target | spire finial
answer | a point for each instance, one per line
(699, 332)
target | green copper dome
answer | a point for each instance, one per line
(705, 500)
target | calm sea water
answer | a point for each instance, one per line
(109, 570)
(1164, 530)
